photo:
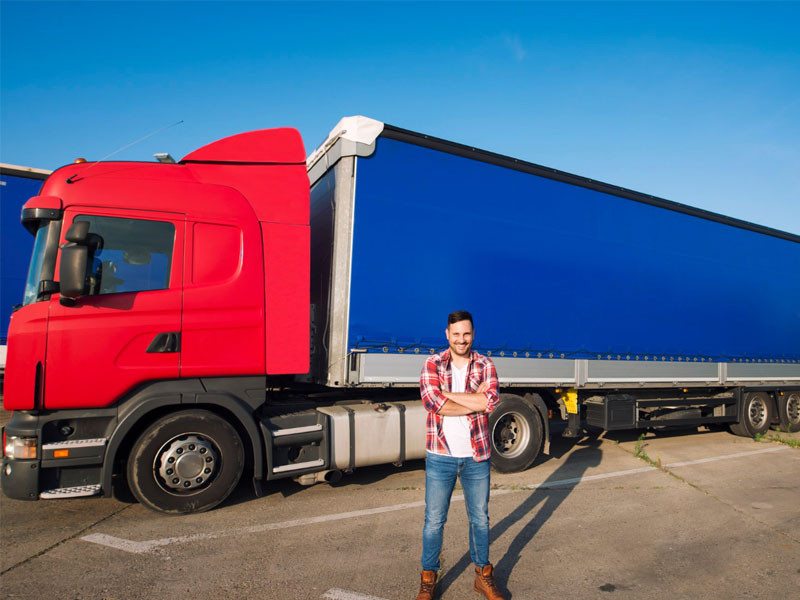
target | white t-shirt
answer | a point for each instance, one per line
(456, 429)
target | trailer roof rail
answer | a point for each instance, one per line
(20, 171)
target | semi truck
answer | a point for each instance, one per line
(253, 310)
(17, 184)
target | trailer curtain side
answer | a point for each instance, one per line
(552, 271)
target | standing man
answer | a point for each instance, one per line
(459, 389)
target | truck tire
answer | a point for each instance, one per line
(757, 415)
(789, 411)
(515, 432)
(186, 462)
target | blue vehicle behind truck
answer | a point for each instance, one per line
(17, 184)
(253, 328)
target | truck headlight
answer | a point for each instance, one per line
(20, 447)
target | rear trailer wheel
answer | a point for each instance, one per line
(789, 411)
(515, 430)
(186, 462)
(757, 415)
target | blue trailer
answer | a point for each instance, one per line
(17, 184)
(645, 312)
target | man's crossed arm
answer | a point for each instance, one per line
(450, 404)
(464, 403)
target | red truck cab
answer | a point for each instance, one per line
(144, 278)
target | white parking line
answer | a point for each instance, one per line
(337, 594)
(150, 545)
(727, 456)
(119, 543)
(549, 484)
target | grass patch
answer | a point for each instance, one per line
(639, 452)
(777, 438)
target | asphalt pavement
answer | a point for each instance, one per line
(689, 514)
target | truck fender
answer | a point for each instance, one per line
(539, 405)
(244, 415)
(151, 402)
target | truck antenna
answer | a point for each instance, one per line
(72, 178)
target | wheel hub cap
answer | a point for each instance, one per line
(186, 463)
(189, 466)
(511, 434)
(793, 408)
(758, 412)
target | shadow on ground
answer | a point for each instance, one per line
(365, 476)
(536, 509)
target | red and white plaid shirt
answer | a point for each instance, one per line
(436, 378)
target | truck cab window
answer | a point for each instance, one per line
(135, 254)
(35, 267)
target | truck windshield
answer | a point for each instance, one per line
(35, 268)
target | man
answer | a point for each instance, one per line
(459, 389)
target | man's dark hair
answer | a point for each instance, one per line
(459, 315)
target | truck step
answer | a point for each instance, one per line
(296, 430)
(297, 436)
(297, 466)
(297, 443)
(77, 491)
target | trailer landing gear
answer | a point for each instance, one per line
(574, 429)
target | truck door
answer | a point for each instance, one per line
(127, 329)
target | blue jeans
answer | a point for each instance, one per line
(440, 479)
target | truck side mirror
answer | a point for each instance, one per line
(74, 258)
(75, 255)
(78, 232)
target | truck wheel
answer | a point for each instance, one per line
(188, 461)
(515, 430)
(789, 411)
(757, 415)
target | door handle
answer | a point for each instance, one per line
(165, 343)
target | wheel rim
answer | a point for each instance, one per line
(793, 408)
(511, 434)
(758, 412)
(186, 463)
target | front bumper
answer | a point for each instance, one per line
(20, 478)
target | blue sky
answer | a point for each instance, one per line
(695, 102)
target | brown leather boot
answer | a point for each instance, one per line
(428, 585)
(484, 583)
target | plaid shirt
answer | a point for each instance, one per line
(436, 378)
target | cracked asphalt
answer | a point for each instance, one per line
(685, 514)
